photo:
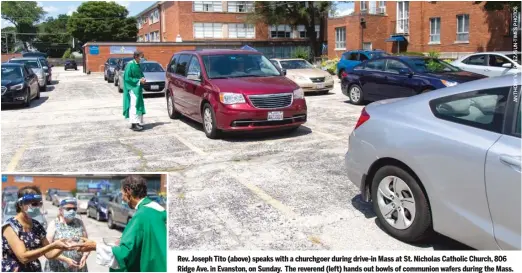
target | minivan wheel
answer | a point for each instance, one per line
(401, 205)
(355, 94)
(209, 122)
(119, 89)
(173, 114)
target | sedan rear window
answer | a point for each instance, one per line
(151, 67)
(11, 73)
(238, 65)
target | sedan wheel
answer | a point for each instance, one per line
(27, 102)
(355, 94)
(98, 216)
(401, 205)
(110, 223)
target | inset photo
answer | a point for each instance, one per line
(84, 222)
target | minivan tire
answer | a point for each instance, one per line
(354, 99)
(421, 226)
(210, 124)
(171, 108)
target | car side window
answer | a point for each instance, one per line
(497, 60)
(518, 120)
(363, 57)
(345, 56)
(172, 64)
(181, 67)
(394, 66)
(482, 109)
(476, 60)
(194, 67)
(375, 65)
(353, 56)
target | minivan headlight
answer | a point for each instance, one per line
(17, 87)
(299, 93)
(231, 98)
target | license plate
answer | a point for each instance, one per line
(320, 85)
(154, 87)
(275, 115)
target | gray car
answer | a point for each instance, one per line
(83, 201)
(447, 161)
(154, 76)
(120, 68)
(38, 68)
(59, 196)
(10, 211)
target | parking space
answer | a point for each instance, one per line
(268, 191)
(95, 230)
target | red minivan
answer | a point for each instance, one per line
(233, 90)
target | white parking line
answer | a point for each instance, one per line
(189, 145)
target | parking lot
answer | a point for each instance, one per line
(269, 191)
(96, 231)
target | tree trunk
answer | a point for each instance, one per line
(310, 29)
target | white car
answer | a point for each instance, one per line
(491, 64)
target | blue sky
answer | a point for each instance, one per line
(53, 8)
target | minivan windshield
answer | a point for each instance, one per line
(296, 64)
(151, 67)
(429, 65)
(223, 66)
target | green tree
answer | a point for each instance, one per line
(307, 13)
(53, 37)
(23, 15)
(8, 40)
(499, 5)
(102, 21)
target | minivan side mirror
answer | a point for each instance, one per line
(194, 76)
(508, 65)
(283, 71)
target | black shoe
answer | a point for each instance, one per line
(136, 127)
(141, 127)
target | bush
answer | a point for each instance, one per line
(409, 53)
(448, 60)
(74, 192)
(330, 65)
(301, 53)
(67, 54)
(433, 54)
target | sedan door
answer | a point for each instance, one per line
(372, 78)
(496, 65)
(396, 84)
(503, 165)
(32, 80)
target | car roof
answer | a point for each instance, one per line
(26, 58)
(13, 64)
(149, 62)
(206, 52)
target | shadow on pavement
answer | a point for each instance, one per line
(318, 94)
(49, 88)
(438, 241)
(149, 126)
(53, 82)
(35, 103)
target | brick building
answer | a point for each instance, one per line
(82, 183)
(449, 27)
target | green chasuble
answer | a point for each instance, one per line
(143, 244)
(131, 83)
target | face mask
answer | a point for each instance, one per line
(69, 214)
(142, 59)
(33, 211)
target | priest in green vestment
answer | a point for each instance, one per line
(143, 244)
(133, 104)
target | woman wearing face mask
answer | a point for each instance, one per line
(67, 226)
(23, 238)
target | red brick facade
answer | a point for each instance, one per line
(7, 57)
(487, 30)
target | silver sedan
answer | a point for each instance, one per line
(447, 161)
(154, 76)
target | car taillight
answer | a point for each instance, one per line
(344, 74)
(362, 119)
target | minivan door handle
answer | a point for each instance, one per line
(512, 161)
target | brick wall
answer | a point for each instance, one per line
(44, 182)
(153, 52)
(7, 57)
(147, 28)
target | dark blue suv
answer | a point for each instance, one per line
(352, 58)
(401, 76)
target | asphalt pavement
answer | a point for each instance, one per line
(95, 230)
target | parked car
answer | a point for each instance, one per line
(307, 76)
(491, 64)
(153, 73)
(120, 68)
(19, 84)
(50, 193)
(61, 195)
(37, 66)
(34, 55)
(47, 69)
(109, 68)
(352, 58)
(233, 90)
(70, 64)
(154, 196)
(118, 213)
(9, 211)
(449, 162)
(97, 207)
(394, 77)
(83, 201)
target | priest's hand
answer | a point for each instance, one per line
(143, 80)
(87, 245)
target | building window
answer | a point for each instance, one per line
(154, 36)
(463, 28)
(280, 31)
(435, 30)
(23, 179)
(241, 31)
(154, 17)
(208, 30)
(208, 6)
(147, 39)
(382, 7)
(403, 13)
(367, 46)
(340, 38)
(373, 7)
(364, 6)
(302, 31)
(240, 6)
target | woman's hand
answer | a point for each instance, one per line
(70, 263)
(87, 245)
(61, 244)
(83, 261)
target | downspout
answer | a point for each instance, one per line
(160, 11)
